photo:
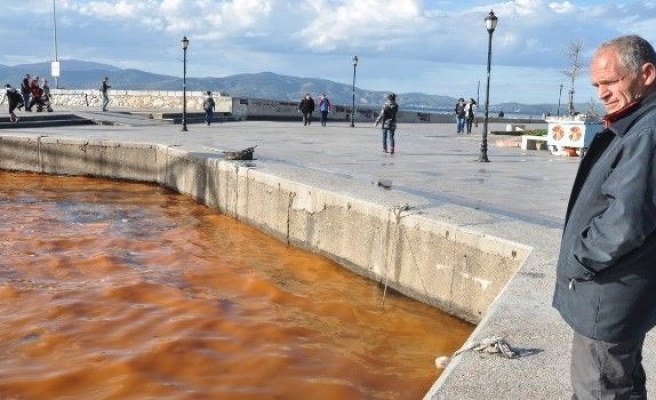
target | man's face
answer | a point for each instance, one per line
(615, 87)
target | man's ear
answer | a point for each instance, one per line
(649, 74)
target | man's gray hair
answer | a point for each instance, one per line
(633, 52)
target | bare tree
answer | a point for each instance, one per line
(573, 53)
(592, 109)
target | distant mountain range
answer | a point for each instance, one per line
(78, 74)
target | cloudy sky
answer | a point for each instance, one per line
(430, 46)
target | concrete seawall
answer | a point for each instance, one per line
(460, 271)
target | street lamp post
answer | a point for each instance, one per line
(355, 64)
(490, 24)
(54, 23)
(559, 96)
(185, 44)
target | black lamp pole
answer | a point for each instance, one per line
(185, 44)
(560, 93)
(490, 24)
(355, 64)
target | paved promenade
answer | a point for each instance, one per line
(518, 196)
(431, 161)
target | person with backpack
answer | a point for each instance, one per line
(388, 117)
(460, 116)
(324, 108)
(14, 99)
(209, 106)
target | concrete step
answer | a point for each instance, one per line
(41, 120)
(194, 117)
(123, 118)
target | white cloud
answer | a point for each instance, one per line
(107, 9)
(380, 25)
(563, 8)
(247, 13)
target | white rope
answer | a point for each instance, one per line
(492, 345)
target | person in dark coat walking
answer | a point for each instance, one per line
(14, 99)
(388, 117)
(606, 271)
(26, 91)
(306, 106)
(470, 114)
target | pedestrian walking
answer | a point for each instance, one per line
(470, 114)
(46, 88)
(306, 106)
(26, 91)
(606, 280)
(209, 106)
(460, 116)
(388, 118)
(324, 108)
(36, 95)
(14, 100)
(104, 88)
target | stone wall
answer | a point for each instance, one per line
(138, 99)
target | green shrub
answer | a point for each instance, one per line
(536, 132)
(532, 132)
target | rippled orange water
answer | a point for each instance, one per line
(114, 290)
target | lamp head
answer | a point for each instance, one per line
(491, 22)
(185, 43)
(355, 60)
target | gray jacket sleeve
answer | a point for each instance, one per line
(380, 116)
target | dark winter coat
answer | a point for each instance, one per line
(460, 109)
(606, 273)
(14, 98)
(306, 105)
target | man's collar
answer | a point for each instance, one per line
(620, 120)
(611, 118)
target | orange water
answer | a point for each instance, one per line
(114, 290)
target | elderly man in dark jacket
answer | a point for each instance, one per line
(606, 274)
(306, 106)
